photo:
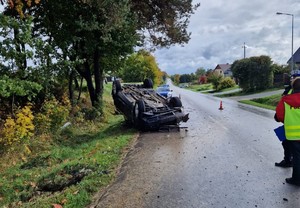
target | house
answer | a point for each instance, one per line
(296, 61)
(223, 70)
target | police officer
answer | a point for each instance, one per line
(288, 112)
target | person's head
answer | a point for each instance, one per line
(296, 84)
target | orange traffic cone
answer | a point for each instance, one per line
(221, 106)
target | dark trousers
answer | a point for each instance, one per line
(287, 150)
(296, 160)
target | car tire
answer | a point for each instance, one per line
(138, 110)
(116, 87)
(175, 102)
(148, 83)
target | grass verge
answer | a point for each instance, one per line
(241, 93)
(199, 88)
(269, 102)
(70, 168)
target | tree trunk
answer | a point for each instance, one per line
(71, 91)
(20, 48)
(98, 73)
(25, 60)
(88, 77)
(80, 88)
(76, 82)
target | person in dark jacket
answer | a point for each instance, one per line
(287, 150)
(288, 112)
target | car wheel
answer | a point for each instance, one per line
(116, 87)
(175, 102)
(138, 110)
(148, 83)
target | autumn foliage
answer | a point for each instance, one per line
(19, 129)
(20, 5)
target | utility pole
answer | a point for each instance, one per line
(244, 46)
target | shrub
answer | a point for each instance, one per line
(19, 129)
(53, 115)
(202, 79)
(215, 80)
(91, 113)
(226, 82)
(42, 123)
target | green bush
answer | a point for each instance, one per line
(91, 113)
(54, 114)
(215, 80)
(226, 82)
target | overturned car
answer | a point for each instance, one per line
(144, 108)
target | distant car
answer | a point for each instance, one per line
(164, 90)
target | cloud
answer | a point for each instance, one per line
(220, 28)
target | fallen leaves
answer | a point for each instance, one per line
(57, 206)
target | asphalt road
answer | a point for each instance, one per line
(225, 158)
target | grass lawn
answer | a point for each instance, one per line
(266, 102)
(225, 90)
(229, 89)
(241, 93)
(199, 88)
(69, 168)
(207, 88)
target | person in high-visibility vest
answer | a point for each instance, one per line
(288, 112)
(287, 150)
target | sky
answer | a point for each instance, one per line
(221, 27)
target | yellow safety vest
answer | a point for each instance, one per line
(292, 122)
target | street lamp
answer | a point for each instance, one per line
(292, 56)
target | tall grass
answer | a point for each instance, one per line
(85, 154)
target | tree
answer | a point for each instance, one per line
(14, 50)
(279, 69)
(176, 78)
(215, 79)
(164, 76)
(202, 79)
(93, 33)
(19, 7)
(200, 72)
(21, 83)
(15, 91)
(281, 75)
(185, 78)
(140, 66)
(209, 72)
(47, 66)
(163, 22)
(254, 73)
(100, 33)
